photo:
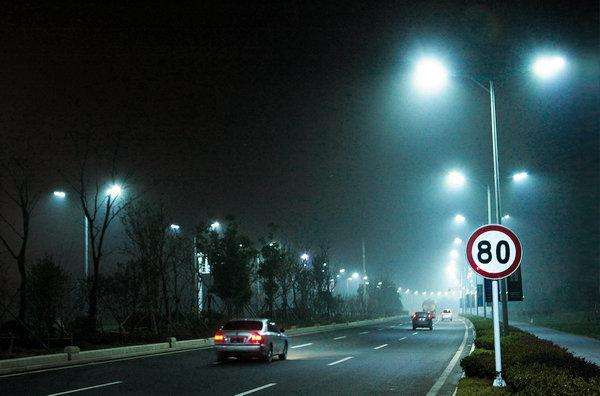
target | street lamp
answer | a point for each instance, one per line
(59, 194)
(505, 217)
(174, 227)
(430, 75)
(520, 176)
(455, 179)
(304, 257)
(215, 226)
(457, 241)
(342, 270)
(459, 219)
(454, 254)
(114, 191)
(355, 275)
(546, 67)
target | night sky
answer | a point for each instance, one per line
(302, 115)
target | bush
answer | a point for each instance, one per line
(479, 364)
(530, 365)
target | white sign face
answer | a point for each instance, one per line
(494, 251)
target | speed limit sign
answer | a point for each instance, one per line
(494, 251)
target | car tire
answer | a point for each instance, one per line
(431, 328)
(268, 357)
(221, 357)
(283, 356)
(414, 327)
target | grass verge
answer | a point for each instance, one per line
(530, 366)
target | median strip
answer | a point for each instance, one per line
(339, 338)
(302, 345)
(340, 361)
(86, 388)
(256, 389)
(381, 346)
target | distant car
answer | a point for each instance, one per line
(258, 338)
(422, 319)
(447, 315)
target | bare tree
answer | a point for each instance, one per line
(101, 200)
(20, 190)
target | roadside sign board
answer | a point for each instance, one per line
(494, 251)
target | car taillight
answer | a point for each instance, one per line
(219, 337)
(255, 338)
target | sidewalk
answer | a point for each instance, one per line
(585, 347)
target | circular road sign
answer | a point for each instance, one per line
(494, 251)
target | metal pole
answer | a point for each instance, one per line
(498, 381)
(364, 266)
(86, 247)
(489, 220)
(497, 192)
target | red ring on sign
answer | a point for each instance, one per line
(491, 275)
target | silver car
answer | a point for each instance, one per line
(260, 338)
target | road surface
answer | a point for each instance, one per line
(373, 359)
(585, 347)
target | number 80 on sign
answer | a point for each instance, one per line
(494, 251)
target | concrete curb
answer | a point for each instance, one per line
(73, 356)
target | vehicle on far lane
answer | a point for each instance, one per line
(447, 314)
(258, 338)
(422, 319)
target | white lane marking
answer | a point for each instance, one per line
(103, 362)
(472, 348)
(440, 381)
(380, 346)
(415, 333)
(86, 388)
(403, 338)
(381, 328)
(339, 338)
(364, 332)
(302, 345)
(256, 389)
(340, 361)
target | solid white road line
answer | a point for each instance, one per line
(301, 345)
(339, 338)
(341, 360)
(256, 389)
(86, 388)
(403, 338)
(415, 333)
(440, 381)
(364, 332)
(380, 346)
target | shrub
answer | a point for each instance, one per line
(541, 379)
(479, 364)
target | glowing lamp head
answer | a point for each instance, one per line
(520, 177)
(342, 270)
(455, 179)
(459, 219)
(430, 75)
(174, 227)
(59, 194)
(457, 241)
(355, 275)
(546, 67)
(215, 226)
(114, 191)
(304, 257)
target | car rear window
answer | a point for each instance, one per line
(243, 325)
(421, 314)
(446, 311)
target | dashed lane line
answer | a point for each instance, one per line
(403, 338)
(381, 346)
(415, 333)
(340, 361)
(339, 338)
(302, 345)
(364, 332)
(86, 388)
(256, 389)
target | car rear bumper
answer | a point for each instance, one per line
(229, 349)
(422, 324)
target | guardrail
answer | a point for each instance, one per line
(72, 355)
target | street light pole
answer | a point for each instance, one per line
(497, 194)
(86, 247)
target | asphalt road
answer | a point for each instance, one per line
(375, 359)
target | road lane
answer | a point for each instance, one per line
(307, 371)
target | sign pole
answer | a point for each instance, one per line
(498, 381)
